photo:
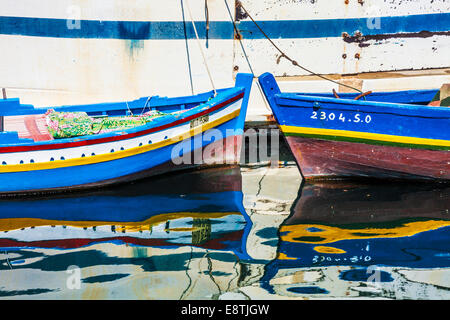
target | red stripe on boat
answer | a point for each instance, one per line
(216, 244)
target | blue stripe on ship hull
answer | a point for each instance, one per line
(163, 30)
(94, 173)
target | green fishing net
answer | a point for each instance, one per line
(73, 124)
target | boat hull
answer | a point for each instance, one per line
(322, 159)
(346, 138)
(208, 134)
(121, 170)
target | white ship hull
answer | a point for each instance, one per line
(56, 52)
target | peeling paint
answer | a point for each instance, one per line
(134, 46)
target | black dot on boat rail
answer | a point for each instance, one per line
(52, 159)
(112, 150)
(149, 141)
(62, 158)
(21, 161)
(31, 161)
(83, 155)
(92, 154)
(3, 162)
(122, 148)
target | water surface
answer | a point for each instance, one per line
(230, 233)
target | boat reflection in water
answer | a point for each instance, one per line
(352, 240)
(188, 236)
(170, 238)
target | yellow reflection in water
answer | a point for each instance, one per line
(283, 256)
(326, 234)
(20, 223)
(323, 249)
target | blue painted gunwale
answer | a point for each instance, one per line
(12, 106)
(397, 119)
(406, 96)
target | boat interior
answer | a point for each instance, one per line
(31, 123)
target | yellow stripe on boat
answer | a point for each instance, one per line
(328, 234)
(10, 224)
(365, 135)
(117, 154)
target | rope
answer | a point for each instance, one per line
(129, 108)
(187, 48)
(207, 22)
(295, 63)
(201, 50)
(145, 105)
(245, 55)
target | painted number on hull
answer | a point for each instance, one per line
(199, 121)
(357, 118)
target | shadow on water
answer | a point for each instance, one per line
(348, 239)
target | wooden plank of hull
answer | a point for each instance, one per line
(322, 159)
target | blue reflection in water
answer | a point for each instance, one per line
(362, 274)
(366, 228)
(193, 210)
(308, 290)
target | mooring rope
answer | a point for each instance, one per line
(238, 35)
(284, 55)
(187, 48)
(207, 22)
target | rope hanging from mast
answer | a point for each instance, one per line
(201, 49)
(187, 48)
(284, 55)
(238, 36)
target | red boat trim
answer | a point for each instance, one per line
(217, 243)
(54, 146)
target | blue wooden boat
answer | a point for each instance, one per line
(394, 135)
(31, 161)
